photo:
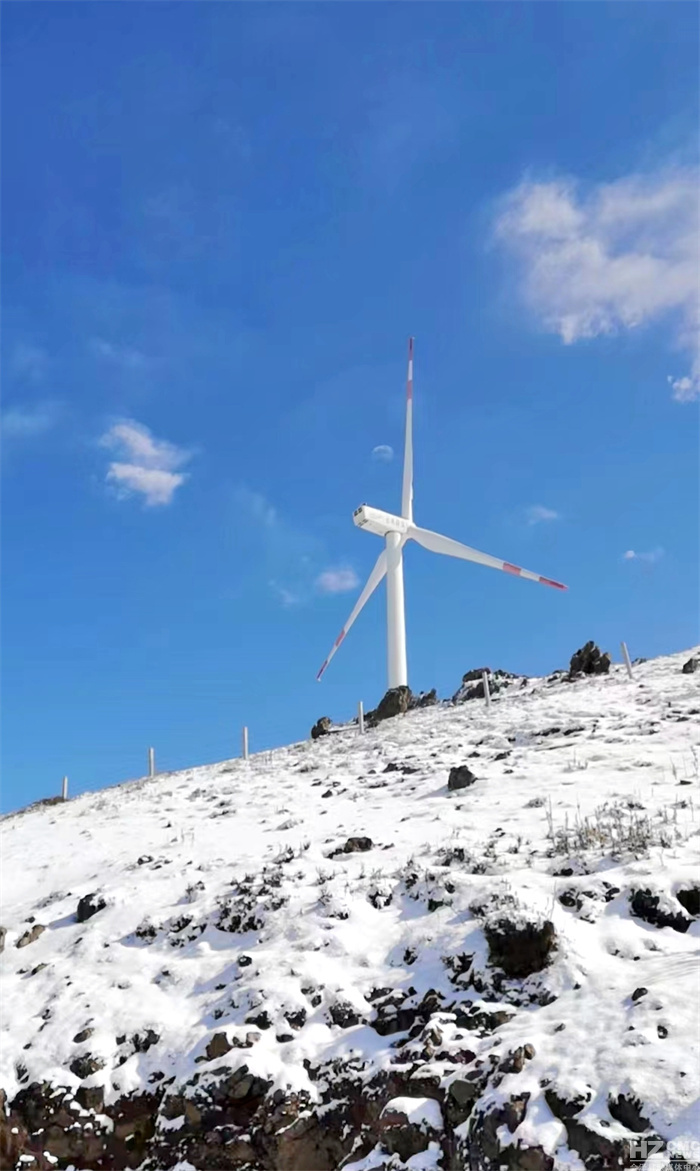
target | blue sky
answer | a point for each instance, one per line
(220, 224)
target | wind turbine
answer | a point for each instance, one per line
(397, 530)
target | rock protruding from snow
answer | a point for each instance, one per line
(321, 728)
(588, 660)
(519, 949)
(395, 702)
(472, 685)
(691, 666)
(30, 935)
(89, 905)
(461, 776)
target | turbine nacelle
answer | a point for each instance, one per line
(374, 520)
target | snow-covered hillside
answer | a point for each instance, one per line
(323, 957)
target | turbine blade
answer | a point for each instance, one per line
(439, 544)
(407, 488)
(372, 582)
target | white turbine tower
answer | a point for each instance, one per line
(397, 530)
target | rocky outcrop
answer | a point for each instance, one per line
(30, 935)
(461, 776)
(649, 907)
(472, 685)
(588, 660)
(89, 905)
(321, 728)
(395, 702)
(519, 949)
(691, 666)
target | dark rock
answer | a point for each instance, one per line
(461, 776)
(218, 1046)
(425, 699)
(83, 1035)
(85, 1066)
(588, 660)
(29, 936)
(89, 905)
(691, 666)
(472, 686)
(244, 961)
(401, 1137)
(3, 933)
(321, 728)
(520, 950)
(358, 845)
(690, 899)
(639, 993)
(395, 702)
(343, 1014)
(297, 1019)
(644, 905)
(142, 1042)
(628, 1111)
(262, 1020)
(91, 1097)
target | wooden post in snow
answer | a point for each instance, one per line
(245, 743)
(626, 657)
(487, 693)
(151, 762)
(361, 717)
(64, 789)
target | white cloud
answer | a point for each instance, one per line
(537, 513)
(287, 597)
(125, 356)
(619, 257)
(383, 453)
(337, 581)
(148, 465)
(27, 422)
(647, 558)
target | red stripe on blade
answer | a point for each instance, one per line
(340, 638)
(556, 585)
(322, 669)
(512, 568)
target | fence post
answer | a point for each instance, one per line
(151, 762)
(487, 693)
(361, 717)
(626, 657)
(64, 789)
(245, 743)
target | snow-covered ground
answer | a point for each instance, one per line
(228, 910)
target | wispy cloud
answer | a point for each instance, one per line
(383, 453)
(126, 357)
(294, 558)
(649, 558)
(537, 514)
(29, 362)
(147, 466)
(30, 421)
(619, 257)
(337, 581)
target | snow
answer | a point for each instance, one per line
(600, 780)
(422, 1112)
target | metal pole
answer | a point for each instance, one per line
(64, 789)
(245, 743)
(626, 657)
(361, 716)
(487, 693)
(151, 762)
